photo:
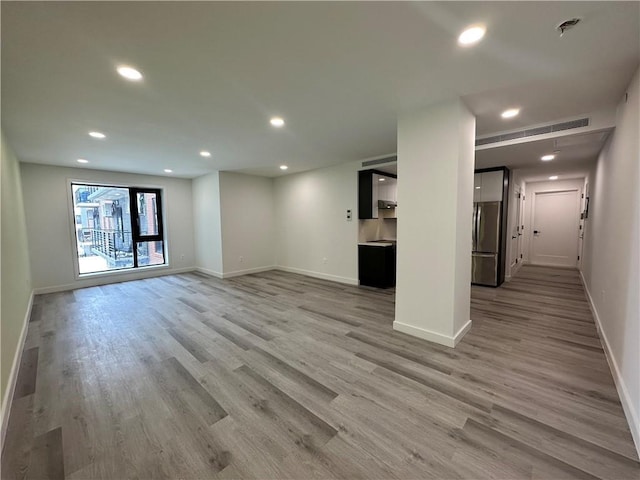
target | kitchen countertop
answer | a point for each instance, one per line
(379, 243)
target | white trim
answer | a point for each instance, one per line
(563, 267)
(134, 274)
(433, 336)
(618, 379)
(461, 333)
(237, 273)
(206, 271)
(121, 271)
(13, 374)
(323, 276)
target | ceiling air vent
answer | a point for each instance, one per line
(532, 132)
(379, 161)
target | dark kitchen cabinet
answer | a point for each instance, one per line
(377, 265)
(367, 204)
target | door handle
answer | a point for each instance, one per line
(513, 237)
(536, 232)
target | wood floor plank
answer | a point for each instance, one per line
(27, 374)
(47, 456)
(17, 453)
(296, 375)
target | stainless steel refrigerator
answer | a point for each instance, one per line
(486, 243)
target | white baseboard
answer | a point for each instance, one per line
(238, 273)
(107, 279)
(433, 336)
(13, 375)
(541, 264)
(206, 271)
(323, 276)
(461, 333)
(623, 393)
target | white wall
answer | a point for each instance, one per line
(538, 187)
(311, 224)
(435, 192)
(16, 278)
(206, 223)
(49, 224)
(612, 252)
(248, 223)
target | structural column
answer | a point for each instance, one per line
(435, 197)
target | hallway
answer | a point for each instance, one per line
(283, 376)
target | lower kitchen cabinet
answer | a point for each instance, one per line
(377, 265)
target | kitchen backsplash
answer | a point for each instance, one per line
(377, 229)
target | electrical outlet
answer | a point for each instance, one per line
(182, 257)
(324, 260)
(241, 258)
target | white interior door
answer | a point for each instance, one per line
(555, 228)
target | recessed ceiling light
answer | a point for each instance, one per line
(547, 158)
(471, 35)
(97, 134)
(204, 153)
(168, 170)
(510, 113)
(553, 177)
(381, 179)
(129, 73)
(277, 122)
(283, 167)
(477, 188)
(82, 160)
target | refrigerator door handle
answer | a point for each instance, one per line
(473, 229)
(478, 222)
(474, 232)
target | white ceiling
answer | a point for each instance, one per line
(338, 72)
(575, 155)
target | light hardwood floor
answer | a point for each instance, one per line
(276, 375)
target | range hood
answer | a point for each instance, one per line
(387, 204)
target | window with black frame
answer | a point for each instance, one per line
(117, 227)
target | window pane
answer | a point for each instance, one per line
(147, 212)
(103, 228)
(150, 253)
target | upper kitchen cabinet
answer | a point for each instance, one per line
(488, 186)
(376, 191)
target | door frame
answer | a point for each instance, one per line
(519, 228)
(584, 200)
(533, 216)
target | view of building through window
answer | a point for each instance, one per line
(112, 233)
